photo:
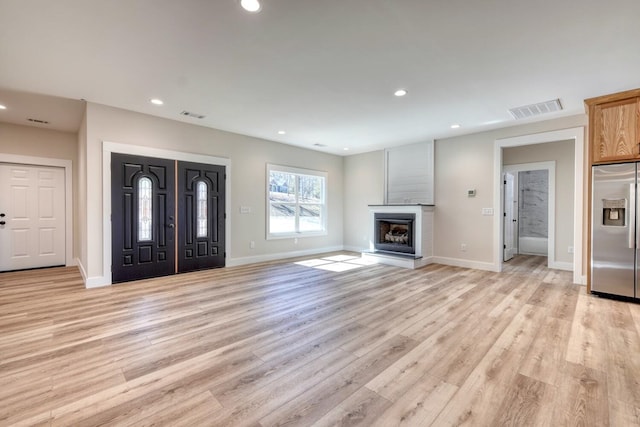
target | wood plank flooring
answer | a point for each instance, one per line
(286, 343)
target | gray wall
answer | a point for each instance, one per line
(38, 142)
(248, 156)
(461, 163)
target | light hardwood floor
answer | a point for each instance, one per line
(287, 344)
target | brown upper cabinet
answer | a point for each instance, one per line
(614, 127)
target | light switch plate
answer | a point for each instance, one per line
(487, 211)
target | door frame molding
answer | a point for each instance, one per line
(577, 135)
(550, 167)
(139, 150)
(67, 165)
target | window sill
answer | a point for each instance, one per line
(281, 236)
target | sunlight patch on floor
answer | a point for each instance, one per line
(337, 263)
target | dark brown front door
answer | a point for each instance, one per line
(200, 216)
(142, 217)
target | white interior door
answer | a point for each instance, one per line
(510, 216)
(32, 216)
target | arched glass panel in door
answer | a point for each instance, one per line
(145, 209)
(201, 209)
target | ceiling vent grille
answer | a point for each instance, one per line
(42, 122)
(317, 144)
(194, 115)
(536, 109)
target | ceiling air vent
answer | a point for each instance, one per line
(536, 109)
(194, 115)
(42, 122)
(317, 144)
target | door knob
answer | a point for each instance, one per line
(172, 226)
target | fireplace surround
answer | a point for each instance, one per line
(406, 240)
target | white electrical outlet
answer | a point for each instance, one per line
(252, 244)
(295, 241)
(463, 247)
(245, 209)
(570, 249)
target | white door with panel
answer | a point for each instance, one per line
(510, 216)
(32, 216)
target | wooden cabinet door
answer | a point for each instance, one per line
(616, 136)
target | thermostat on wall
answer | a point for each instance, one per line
(471, 193)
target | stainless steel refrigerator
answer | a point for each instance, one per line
(615, 262)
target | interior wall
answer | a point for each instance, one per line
(563, 154)
(37, 142)
(462, 164)
(466, 162)
(363, 186)
(248, 156)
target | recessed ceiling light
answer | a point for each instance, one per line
(400, 92)
(2, 107)
(250, 5)
(346, 148)
(281, 132)
(156, 101)
(455, 126)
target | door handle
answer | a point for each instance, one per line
(514, 220)
(2, 223)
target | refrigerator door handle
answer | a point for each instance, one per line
(632, 216)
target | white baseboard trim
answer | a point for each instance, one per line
(91, 282)
(561, 265)
(234, 262)
(96, 282)
(465, 263)
(354, 249)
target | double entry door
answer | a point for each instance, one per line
(167, 217)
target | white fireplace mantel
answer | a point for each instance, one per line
(423, 235)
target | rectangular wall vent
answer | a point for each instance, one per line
(194, 115)
(42, 122)
(536, 109)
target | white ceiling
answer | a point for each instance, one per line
(322, 70)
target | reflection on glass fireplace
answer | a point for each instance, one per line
(394, 232)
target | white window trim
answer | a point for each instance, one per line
(325, 210)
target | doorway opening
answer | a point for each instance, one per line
(529, 210)
(567, 253)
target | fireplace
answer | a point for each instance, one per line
(401, 235)
(394, 232)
